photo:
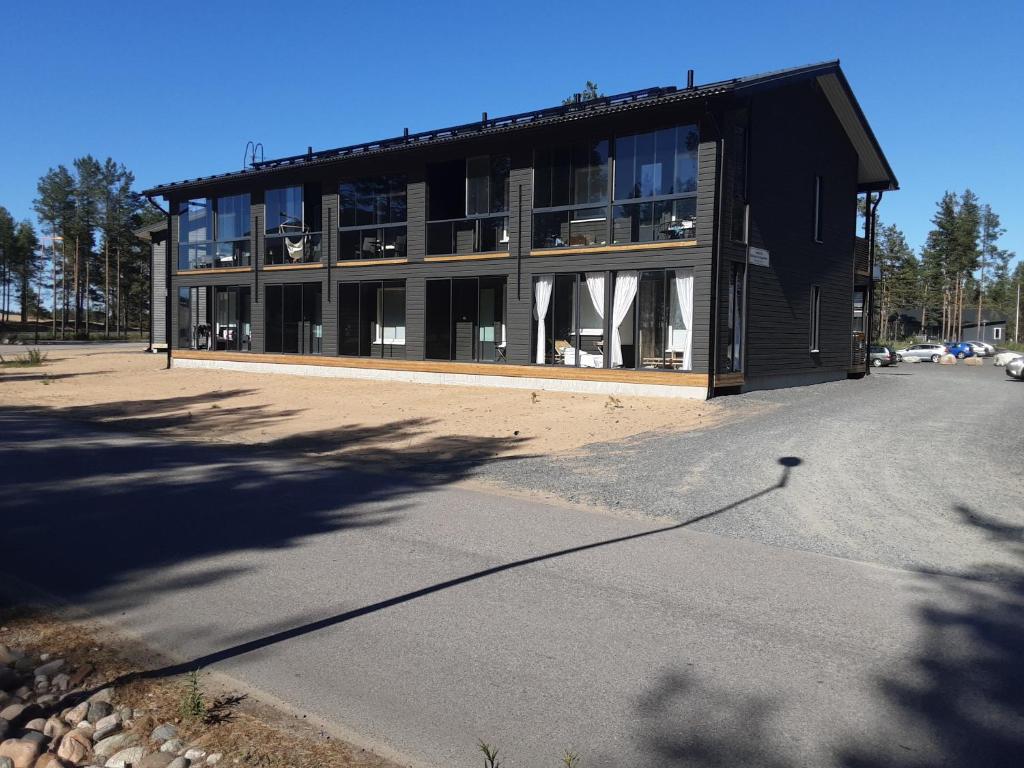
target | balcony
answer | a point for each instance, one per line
(372, 243)
(214, 254)
(485, 234)
(290, 249)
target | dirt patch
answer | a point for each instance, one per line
(321, 416)
(245, 729)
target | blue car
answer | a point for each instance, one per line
(961, 349)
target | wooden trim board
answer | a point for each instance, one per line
(286, 267)
(369, 262)
(213, 271)
(471, 256)
(658, 246)
(729, 379)
(669, 378)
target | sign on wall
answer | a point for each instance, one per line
(759, 257)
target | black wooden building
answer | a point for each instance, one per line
(675, 240)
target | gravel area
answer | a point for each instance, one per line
(910, 467)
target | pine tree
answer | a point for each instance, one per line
(25, 266)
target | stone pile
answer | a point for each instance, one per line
(48, 719)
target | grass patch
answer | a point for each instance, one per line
(32, 358)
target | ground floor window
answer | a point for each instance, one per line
(815, 320)
(627, 319)
(292, 316)
(465, 319)
(232, 318)
(195, 328)
(372, 318)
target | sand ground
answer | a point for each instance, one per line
(334, 417)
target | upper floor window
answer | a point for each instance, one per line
(214, 232)
(570, 195)
(467, 205)
(655, 191)
(646, 190)
(372, 217)
(292, 225)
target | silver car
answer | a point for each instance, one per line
(1015, 368)
(922, 352)
(981, 349)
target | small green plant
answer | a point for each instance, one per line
(34, 357)
(193, 705)
(571, 759)
(490, 755)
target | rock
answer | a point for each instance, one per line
(36, 736)
(131, 756)
(79, 675)
(6, 657)
(75, 747)
(112, 744)
(41, 684)
(22, 753)
(61, 681)
(215, 758)
(12, 712)
(195, 754)
(24, 664)
(50, 760)
(947, 360)
(157, 760)
(97, 711)
(125, 713)
(8, 678)
(179, 762)
(172, 746)
(77, 714)
(164, 732)
(55, 728)
(104, 694)
(972, 361)
(6, 762)
(38, 724)
(107, 726)
(5, 728)
(50, 668)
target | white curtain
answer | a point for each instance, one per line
(684, 297)
(625, 291)
(595, 285)
(542, 297)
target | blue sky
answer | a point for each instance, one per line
(176, 90)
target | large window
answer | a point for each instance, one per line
(653, 195)
(819, 220)
(736, 309)
(465, 319)
(292, 219)
(214, 232)
(372, 219)
(467, 205)
(570, 195)
(372, 318)
(232, 318)
(195, 326)
(292, 318)
(647, 324)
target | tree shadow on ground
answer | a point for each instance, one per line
(956, 700)
(14, 376)
(83, 509)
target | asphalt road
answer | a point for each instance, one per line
(423, 616)
(904, 468)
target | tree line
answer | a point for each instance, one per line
(961, 272)
(86, 256)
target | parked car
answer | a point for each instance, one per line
(1002, 358)
(1015, 368)
(961, 349)
(922, 352)
(880, 356)
(981, 349)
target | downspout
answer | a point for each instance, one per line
(167, 283)
(715, 253)
(872, 209)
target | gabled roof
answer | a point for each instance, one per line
(874, 172)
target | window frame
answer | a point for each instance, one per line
(241, 247)
(501, 348)
(400, 228)
(476, 219)
(611, 203)
(316, 342)
(814, 330)
(312, 239)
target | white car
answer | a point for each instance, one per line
(981, 349)
(922, 352)
(1004, 357)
